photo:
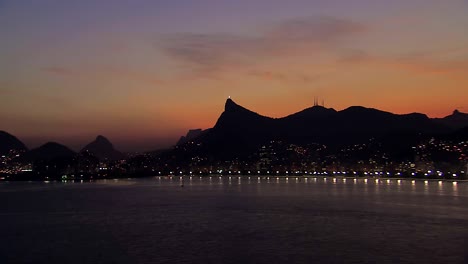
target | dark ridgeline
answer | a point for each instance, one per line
(9, 142)
(103, 149)
(49, 151)
(316, 137)
(457, 120)
(191, 134)
(240, 131)
(55, 161)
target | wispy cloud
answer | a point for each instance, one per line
(62, 71)
(417, 62)
(212, 52)
(284, 77)
(108, 72)
(321, 30)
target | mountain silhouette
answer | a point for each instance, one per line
(49, 151)
(239, 131)
(9, 142)
(191, 134)
(456, 120)
(103, 149)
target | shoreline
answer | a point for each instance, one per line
(257, 177)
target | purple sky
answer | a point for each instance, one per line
(144, 72)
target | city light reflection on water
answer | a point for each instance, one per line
(368, 185)
(266, 213)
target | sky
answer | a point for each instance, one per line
(144, 72)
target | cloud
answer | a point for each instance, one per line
(212, 52)
(210, 55)
(107, 72)
(451, 62)
(62, 71)
(322, 30)
(284, 77)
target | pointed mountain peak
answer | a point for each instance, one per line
(230, 105)
(102, 139)
(102, 148)
(9, 142)
(99, 143)
(457, 112)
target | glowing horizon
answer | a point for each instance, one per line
(144, 73)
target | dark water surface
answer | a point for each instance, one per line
(230, 221)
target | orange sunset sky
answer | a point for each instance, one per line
(144, 72)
